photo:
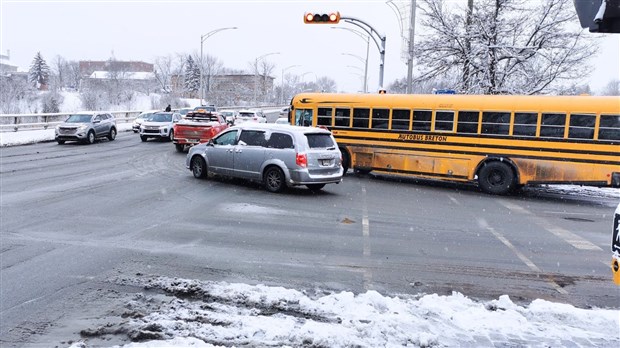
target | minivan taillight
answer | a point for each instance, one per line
(302, 160)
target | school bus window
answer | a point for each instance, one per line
(552, 125)
(324, 117)
(422, 120)
(342, 118)
(468, 122)
(380, 118)
(581, 126)
(609, 129)
(444, 121)
(497, 123)
(360, 118)
(525, 124)
(303, 117)
(401, 119)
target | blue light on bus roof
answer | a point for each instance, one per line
(444, 91)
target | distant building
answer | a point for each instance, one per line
(134, 75)
(242, 88)
(87, 67)
(229, 89)
(6, 67)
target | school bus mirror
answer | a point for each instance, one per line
(322, 18)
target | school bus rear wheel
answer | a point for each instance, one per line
(496, 178)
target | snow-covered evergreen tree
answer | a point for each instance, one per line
(192, 76)
(39, 72)
(503, 46)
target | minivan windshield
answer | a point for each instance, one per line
(79, 119)
(320, 140)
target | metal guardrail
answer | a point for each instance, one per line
(16, 122)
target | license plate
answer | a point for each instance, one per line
(194, 141)
(326, 162)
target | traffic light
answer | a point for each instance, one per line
(322, 18)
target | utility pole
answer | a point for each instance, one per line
(410, 49)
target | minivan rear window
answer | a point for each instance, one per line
(320, 140)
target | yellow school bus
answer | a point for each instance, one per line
(499, 142)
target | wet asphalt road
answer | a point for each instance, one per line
(76, 218)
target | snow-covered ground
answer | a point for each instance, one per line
(208, 314)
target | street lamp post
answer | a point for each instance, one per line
(376, 37)
(202, 40)
(365, 61)
(282, 81)
(361, 75)
(256, 67)
(366, 38)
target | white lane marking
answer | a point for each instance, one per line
(454, 200)
(365, 224)
(366, 239)
(483, 224)
(567, 236)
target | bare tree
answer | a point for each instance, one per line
(58, 72)
(261, 68)
(326, 84)
(178, 75)
(612, 88)
(504, 46)
(211, 66)
(12, 91)
(424, 87)
(164, 71)
(73, 74)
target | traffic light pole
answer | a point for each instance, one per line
(376, 37)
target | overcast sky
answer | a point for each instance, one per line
(144, 30)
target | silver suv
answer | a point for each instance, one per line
(86, 127)
(276, 155)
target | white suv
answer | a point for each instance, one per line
(256, 116)
(159, 125)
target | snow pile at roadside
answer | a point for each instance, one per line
(569, 190)
(195, 313)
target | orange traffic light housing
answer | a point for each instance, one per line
(322, 18)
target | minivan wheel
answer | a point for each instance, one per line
(274, 179)
(90, 138)
(315, 187)
(112, 134)
(199, 167)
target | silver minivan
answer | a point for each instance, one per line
(276, 155)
